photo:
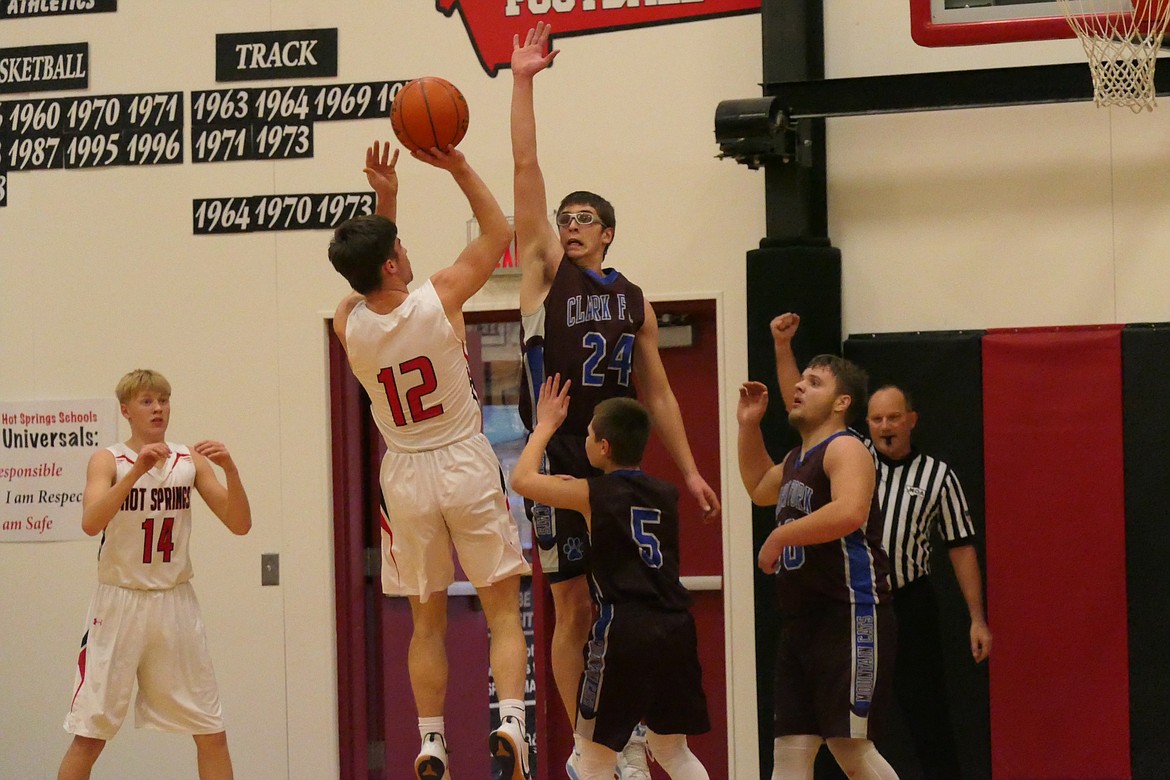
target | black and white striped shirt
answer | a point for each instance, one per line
(914, 494)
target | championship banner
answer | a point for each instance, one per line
(45, 447)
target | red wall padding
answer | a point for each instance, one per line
(1056, 554)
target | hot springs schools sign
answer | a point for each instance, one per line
(45, 447)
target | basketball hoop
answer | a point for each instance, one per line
(1122, 47)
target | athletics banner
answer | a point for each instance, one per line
(490, 26)
(1056, 553)
(45, 447)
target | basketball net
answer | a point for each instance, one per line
(1122, 47)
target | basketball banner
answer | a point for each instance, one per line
(45, 448)
(492, 25)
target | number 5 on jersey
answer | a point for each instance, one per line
(648, 544)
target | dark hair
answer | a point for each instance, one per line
(359, 248)
(851, 381)
(602, 206)
(905, 394)
(625, 424)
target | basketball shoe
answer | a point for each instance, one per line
(509, 751)
(571, 765)
(632, 762)
(431, 763)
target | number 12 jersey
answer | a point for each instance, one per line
(413, 366)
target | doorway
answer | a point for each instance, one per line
(376, 715)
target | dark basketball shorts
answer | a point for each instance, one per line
(561, 535)
(834, 671)
(641, 665)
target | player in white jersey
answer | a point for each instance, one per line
(441, 482)
(144, 621)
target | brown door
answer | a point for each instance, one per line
(377, 718)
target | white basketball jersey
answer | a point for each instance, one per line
(413, 366)
(146, 545)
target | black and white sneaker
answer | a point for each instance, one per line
(431, 763)
(509, 751)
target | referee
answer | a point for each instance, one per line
(916, 493)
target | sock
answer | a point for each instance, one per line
(432, 726)
(512, 708)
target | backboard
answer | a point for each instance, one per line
(970, 22)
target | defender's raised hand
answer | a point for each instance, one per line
(530, 58)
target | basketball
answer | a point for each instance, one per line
(429, 112)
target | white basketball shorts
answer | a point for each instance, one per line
(158, 638)
(451, 496)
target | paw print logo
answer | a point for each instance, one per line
(574, 548)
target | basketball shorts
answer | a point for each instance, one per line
(834, 671)
(158, 637)
(641, 665)
(451, 496)
(561, 535)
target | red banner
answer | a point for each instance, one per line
(492, 23)
(1056, 557)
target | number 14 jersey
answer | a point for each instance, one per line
(413, 366)
(585, 332)
(147, 544)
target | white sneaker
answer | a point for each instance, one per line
(509, 750)
(632, 762)
(431, 763)
(571, 765)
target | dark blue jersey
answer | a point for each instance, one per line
(852, 570)
(634, 539)
(585, 332)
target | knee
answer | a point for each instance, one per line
(672, 751)
(794, 755)
(501, 605)
(429, 628)
(214, 743)
(849, 753)
(87, 748)
(575, 611)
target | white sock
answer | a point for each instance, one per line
(432, 726)
(512, 708)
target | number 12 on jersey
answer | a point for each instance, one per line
(414, 396)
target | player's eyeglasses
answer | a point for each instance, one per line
(566, 218)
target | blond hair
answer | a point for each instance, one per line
(141, 380)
